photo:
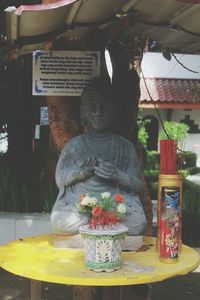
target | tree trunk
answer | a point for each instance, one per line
(127, 93)
(64, 119)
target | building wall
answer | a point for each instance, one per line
(194, 115)
(154, 65)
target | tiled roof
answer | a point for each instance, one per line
(164, 90)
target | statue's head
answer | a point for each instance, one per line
(96, 104)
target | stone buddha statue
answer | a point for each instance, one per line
(97, 161)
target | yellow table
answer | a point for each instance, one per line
(37, 258)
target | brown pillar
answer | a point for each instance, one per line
(36, 289)
(111, 293)
(87, 293)
(136, 292)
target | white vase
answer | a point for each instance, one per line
(103, 247)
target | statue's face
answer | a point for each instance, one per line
(96, 113)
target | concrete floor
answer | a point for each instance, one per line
(194, 178)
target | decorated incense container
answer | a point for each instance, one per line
(168, 181)
(169, 224)
(103, 247)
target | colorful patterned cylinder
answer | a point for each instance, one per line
(168, 184)
(169, 224)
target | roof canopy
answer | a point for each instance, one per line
(173, 23)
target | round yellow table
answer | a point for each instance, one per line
(37, 258)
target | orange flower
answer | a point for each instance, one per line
(96, 211)
(119, 198)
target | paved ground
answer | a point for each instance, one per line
(194, 178)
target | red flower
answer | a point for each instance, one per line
(96, 211)
(119, 198)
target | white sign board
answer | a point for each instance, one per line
(63, 73)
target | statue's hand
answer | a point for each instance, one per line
(106, 170)
(87, 168)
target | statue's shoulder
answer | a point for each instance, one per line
(123, 140)
(73, 143)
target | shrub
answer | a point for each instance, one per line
(191, 198)
(152, 187)
(185, 160)
(175, 131)
(50, 197)
(191, 213)
(152, 160)
(18, 197)
(13, 197)
(188, 159)
(142, 133)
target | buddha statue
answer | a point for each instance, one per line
(97, 161)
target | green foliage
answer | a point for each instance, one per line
(17, 197)
(143, 136)
(190, 171)
(13, 197)
(142, 133)
(191, 213)
(185, 160)
(189, 159)
(50, 197)
(191, 198)
(152, 187)
(152, 161)
(175, 130)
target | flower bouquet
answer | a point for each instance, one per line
(104, 212)
(104, 234)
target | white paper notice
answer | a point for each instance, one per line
(44, 115)
(37, 132)
(63, 73)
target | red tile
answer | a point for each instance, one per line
(170, 90)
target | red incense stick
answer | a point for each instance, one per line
(168, 150)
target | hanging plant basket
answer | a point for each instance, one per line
(103, 247)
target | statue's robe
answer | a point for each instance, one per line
(110, 148)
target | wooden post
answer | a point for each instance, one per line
(87, 293)
(135, 292)
(36, 290)
(111, 292)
